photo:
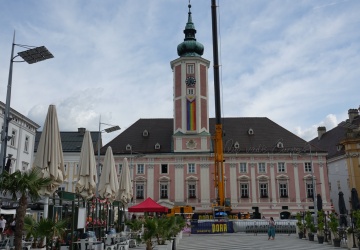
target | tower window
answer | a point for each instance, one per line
(190, 69)
(190, 91)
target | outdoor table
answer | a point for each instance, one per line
(85, 244)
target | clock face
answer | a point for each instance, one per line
(190, 81)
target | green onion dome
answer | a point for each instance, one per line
(190, 47)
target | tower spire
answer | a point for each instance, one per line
(190, 47)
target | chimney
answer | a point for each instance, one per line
(321, 131)
(352, 114)
(81, 131)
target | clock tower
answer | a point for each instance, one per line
(191, 111)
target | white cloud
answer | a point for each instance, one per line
(293, 62)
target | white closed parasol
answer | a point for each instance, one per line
(109, 184)
(49, 156)
(125, 193)
(86, 184)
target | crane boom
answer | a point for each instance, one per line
(218, 138)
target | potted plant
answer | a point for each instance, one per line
(310, 225)
(356, 228)
(165, 230)
(320, 227)
(135, 225)
(333, 225)
(150, 230)
(44, 228)
(300, 225)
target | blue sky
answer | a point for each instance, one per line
(295, 62)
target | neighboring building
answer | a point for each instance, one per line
(21, 145)
(71, 144)
(343, 146)
(267, 168)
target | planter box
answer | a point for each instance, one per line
(350, 241)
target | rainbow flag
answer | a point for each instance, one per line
(191, 115)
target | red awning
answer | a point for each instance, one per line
(148, 205)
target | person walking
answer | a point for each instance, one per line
(271, 229)
(2, 226)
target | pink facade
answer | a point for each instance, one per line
(292, 174)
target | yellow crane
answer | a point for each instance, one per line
(222, 204)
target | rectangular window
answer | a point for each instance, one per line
(281, 167)
(26, 145)
(192, 191)
(140, 191)
(13, 138)
(263, 190)
(190, 69)
(262, 167)
(244, 189)
(283, 190)
(120, 168)
(61, 188)
(308, 167)
(309, 190)
(190, 91)
(243, 167)
(163, 191)
(25, 166)
(191, 168)
(164, 168)
(65, 168)
(338, 185)
(140, 169)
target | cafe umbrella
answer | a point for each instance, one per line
(354, 199)
(319, 203)
(109, 183)
(49, 156)
(342, 210)
(86, 184)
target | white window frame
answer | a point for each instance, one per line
(13, 138)
(190, 91)
(244, 190)
(283, 189)
(281, 167)
(261, 167)
(191, 168)
(264, 189)
(190, 68)
(164, 190)
(140, 190)
(307, 167)
(25, 166)
(26, 144)
(309, 189)
(243, 167)
(140, 168)
(192, 190)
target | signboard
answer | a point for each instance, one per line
(212, 227)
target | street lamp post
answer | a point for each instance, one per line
(31, 55)
(107, 130)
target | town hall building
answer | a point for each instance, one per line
(267, 168)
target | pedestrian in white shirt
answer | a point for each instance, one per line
(2, 225)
